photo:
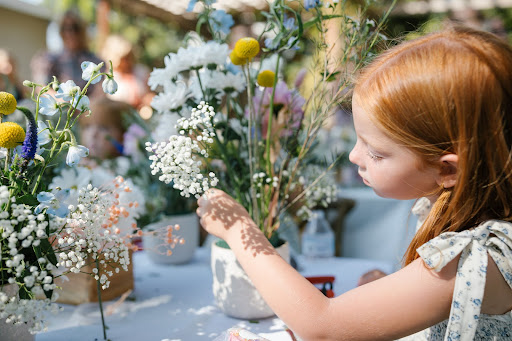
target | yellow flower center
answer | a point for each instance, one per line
(247, 48)
(236, 60)
(266, 78)
(11, 135)
(7, 103)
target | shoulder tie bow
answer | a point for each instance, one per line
(493, 237)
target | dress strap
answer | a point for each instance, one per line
(493, 237)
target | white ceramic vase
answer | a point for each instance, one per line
(234, 292)
(9, 331)
(156, 246)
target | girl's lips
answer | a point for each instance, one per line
(364, 180)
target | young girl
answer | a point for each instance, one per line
(433, 119)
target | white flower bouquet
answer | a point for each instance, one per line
(159, 199)
(242, 128)
(44, 233)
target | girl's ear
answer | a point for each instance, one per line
(449, 165)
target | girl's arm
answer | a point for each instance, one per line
(400, 304)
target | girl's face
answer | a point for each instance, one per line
(392, 170)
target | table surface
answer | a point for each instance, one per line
(175, 302)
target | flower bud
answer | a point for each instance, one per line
(109, 85)
(28, 84)
(55, 84)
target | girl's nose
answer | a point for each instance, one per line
(355, 155)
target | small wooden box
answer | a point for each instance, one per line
(82, 287)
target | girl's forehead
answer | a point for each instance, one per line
(368, 130)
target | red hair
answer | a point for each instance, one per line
(449, 92)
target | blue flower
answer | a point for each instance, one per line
(83, 104)
(191, 5)
(109, 85)
(67, 90)
(292, 43)
(89, 70)
(221, 21)
(289, 23)
(309, 4)
(272, 44)
(75, 153)
(48, 105)
(43, 134)
(52, 203)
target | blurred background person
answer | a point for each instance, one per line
(9, 80)
(66, 64)
(102, 132)
(131, 77)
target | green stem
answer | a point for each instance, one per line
(254, 209)
(98, 286)
(7, 160)
(270, 117)
(201, 86)
(224, 155)
(40, 93)
(50, 158)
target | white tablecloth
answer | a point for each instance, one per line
(176, 303)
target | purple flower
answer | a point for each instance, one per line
(300, 77)
(131, 140)
(29, 147)
(288, 112)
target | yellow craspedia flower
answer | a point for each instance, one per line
(7, 103)
(266, 78)
(11, 135)
(247, 48)
(236, 60)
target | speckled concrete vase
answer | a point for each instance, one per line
(234, 292)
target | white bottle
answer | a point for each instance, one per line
(318, 237)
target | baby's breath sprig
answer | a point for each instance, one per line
(178, 159)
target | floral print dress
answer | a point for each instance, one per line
(466, 322)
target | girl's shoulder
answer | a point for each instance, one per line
(485, 255)
(493, 237)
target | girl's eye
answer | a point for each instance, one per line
(373, 156)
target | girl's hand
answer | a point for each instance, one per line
(221, 215)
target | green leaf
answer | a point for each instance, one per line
(24, 294)
(331, 76)
(299, 23)
(45, 250)
(48, 294)
(27, 199)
